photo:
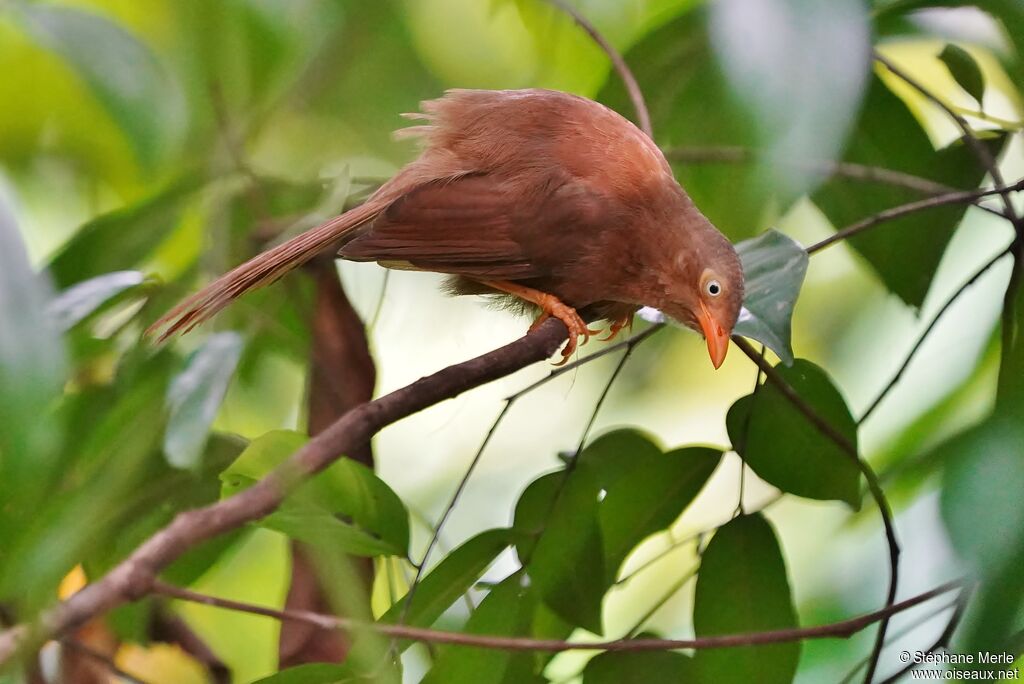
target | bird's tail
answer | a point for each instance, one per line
(260, 270)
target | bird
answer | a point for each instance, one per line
(550, 201)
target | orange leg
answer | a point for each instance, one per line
(616, 326)
(550, 305)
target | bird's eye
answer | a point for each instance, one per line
(713, 288)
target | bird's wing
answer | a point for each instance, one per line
(476, 225)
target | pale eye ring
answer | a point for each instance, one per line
(713, 288)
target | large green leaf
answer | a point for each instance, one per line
(742, 587)
(654, 667)
(450, 579)
(507, 611)
(141, 96)
(906, 252)
(984, 513)
(691, 104)
(785, 449)
(32, 368)
(195, 396)
(649, 498)
(346, 505)
(570, 542)
(123, 238)
(774, 266)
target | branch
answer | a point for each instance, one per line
(636, 96)
(959, 197)
(134, 577)
(826, 167)
(874, 487)
(841, 629)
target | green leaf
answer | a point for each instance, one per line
(450, 579)
(123, 238)
(140, 95)
(195, 396)
(692, 105)
(321, 673)
(906, 252)
(653, 667)
(1010, 388)
(507, 611)
(774, 266)
(785, 449)
(616, 453)
(742, 587)
(649, 498)
(532, 511)
(32, 370)
(964, 70)
(984, 514)
(346, 505)
(78, 302)
(570, 542)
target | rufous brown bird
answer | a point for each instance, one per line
(545, 197)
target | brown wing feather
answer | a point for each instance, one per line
(463, 226)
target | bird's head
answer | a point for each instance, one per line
(706, 291)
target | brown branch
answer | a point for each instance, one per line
(841, 629)
(636, 96)
(927, 331)
(133, 577)
(874, 487)
(960, 197)
(737, 155)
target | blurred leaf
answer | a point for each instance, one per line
(785, 449)
(649, 498)
(195, 396)
(450, 579)
(774, 266)
(81, 301)
(345, 505)
(32, 368)
(652, 667)
(318, 673)
(139, 94)
(692, 105)
(964, 70)
(571, 540)
(742, 587)
(122, 238)
(800, 68)
(984, 514)
(506, 611)
(906, 252)
(1010, 389)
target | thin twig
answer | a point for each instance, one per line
(874, 487)
(960, 606)
(927, 331)
(959, 197)
(840, 629)
(636, 96)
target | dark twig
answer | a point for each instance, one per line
(841, 629)
(960, 197)
(874, 487)
(636, 96)
(927, 331)
(960, 606)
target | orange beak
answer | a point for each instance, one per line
(716, 336)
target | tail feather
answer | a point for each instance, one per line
(260, 270)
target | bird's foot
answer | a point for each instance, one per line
(616, 326)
